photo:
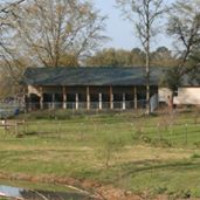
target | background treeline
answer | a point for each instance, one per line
(161, 57)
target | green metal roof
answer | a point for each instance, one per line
(96, 76)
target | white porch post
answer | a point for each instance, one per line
(41, 98)
(77, 102)
(88, 97)
(64, 98)
(111, 98)
(100, 101)
(124, 102)
(53, 101)
(135, 98)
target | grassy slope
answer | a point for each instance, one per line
(158, 155)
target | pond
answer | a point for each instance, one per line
(42, 194)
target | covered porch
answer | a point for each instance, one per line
(88, 97)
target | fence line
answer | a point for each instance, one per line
(109, 123)
(177, 133)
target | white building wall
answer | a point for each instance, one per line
(189, 95)
(186, 96)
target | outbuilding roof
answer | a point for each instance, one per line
(96, 76)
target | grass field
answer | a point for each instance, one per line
(152, 155)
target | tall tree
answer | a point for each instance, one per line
(184, 26)
(50, 31)
(144, 14)
(11, 63)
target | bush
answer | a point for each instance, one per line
(195, 155)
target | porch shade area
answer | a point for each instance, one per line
(90, 97)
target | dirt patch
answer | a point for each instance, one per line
(96, 190)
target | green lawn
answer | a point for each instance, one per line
(155, 155)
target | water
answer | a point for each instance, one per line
(21, 193)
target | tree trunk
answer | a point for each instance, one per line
(148, 109)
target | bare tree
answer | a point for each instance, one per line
(8, 6)
(48, 31)
(184, 26)
(144, 14)
(11, 64)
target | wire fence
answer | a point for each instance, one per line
(167, 125)
(164, 129)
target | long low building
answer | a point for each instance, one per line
(98, 88)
